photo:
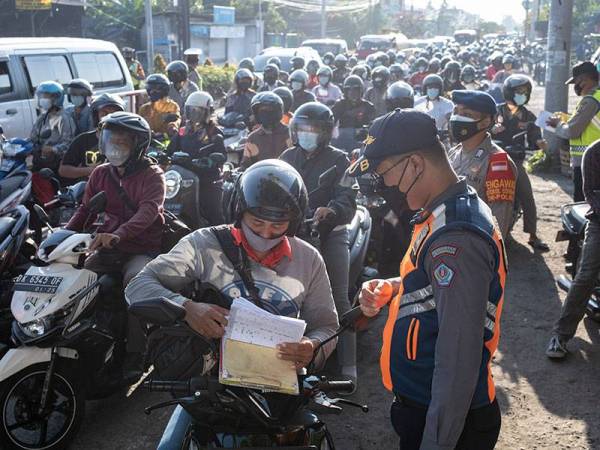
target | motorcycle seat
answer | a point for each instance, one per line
(10, 184)
(6, 226)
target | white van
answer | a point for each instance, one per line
(26, 62)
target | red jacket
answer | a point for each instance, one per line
(141, 230)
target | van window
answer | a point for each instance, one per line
(42, 68)
(101, 69)
(5, 83)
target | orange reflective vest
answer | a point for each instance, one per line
(410, 334)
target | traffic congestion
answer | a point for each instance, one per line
(237, 249)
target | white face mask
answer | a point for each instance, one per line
(308, 141)
(77, 100)
(433, 93)
(117, 156)
(520, 99)
(259, 243)
(296, 86)
(323, 81)
(45, 103)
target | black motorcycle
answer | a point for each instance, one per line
(574, 223)
(212, 415)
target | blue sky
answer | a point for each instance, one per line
(488, 9)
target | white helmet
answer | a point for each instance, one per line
(199, 106)
(193, 51)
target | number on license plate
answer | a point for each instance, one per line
(37, 283)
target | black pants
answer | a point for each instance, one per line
(481, 430)
(577, 185)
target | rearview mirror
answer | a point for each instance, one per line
(41, 214)
(218, 158)
(168, 118)
(97, 203)
(328, 177)
(46, 173)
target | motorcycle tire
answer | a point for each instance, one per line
(18, 405)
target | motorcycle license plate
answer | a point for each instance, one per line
(561, 235)
(37, 283)
(174, 208)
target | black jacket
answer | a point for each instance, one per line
(353, 115)
(302, 97)
(342, 197)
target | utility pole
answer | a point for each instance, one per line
(149, 34)
(535, 15)
(558, 63)
(185, 24)
(323, 18)
(261, 26)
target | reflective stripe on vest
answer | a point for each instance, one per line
(420, 300)
(590, 134)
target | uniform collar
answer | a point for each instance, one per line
(458, 188)
(274, 257)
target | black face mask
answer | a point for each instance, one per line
(270, 79)
(395, 199)
(578, 89)
(244, 85)
(461, 131)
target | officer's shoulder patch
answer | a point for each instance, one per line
(444, 250)
(443, 275)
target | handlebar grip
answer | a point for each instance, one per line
(337, 386)
(167, 386)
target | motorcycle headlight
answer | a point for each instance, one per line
(173, 183)
(35, 328)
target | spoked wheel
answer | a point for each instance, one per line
(24, 426)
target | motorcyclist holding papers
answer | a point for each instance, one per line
(287, 275)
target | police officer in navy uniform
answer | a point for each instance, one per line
(443, 325)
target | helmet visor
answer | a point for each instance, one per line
(116, 145)
(196, 114)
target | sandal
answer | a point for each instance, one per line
(537, 244)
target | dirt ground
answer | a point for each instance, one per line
(545, 405)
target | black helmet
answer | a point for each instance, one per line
(159, 83)
(391, 56)
(297, 62)
(240, 76)
(286, 97)
(131, 123)
(299, 76)
(315, 117)
(383, 59)
(275, 60)
(177, 71)
(79, 86)
(128, 52)
(399, 95)
(246, 63)
(380, 76)
(104, 100)
(271, 73)
(432, 81)
(312, 66)
(271, 190)
(353, 82)
(267, 108)
(468, 74)
(452, 71)
(325, 71)
(508, 59)
(397, 72)
(512, 83)
(434, 65)
(421, 62)
(340, 61)
(445, 60)
(361, 70)
(352, 61)
(328, 58)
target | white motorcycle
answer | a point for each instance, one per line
(67, 343)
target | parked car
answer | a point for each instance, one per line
(284, 54)
(26, 62)
(335, 46)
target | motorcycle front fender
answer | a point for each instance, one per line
(176, 430)
(17, 359)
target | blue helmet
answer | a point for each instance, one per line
(54, 90)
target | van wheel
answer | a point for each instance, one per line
(24, 426)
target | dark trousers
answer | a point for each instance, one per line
(481, 430)
(577, 185)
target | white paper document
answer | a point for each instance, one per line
(253, 325)
(542, 119)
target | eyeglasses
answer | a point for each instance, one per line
(378, 178)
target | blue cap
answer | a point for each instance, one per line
(398, 132)
(475, 100)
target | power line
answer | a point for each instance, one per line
(332, 5)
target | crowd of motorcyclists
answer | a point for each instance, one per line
(297, 127)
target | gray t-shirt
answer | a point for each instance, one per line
(296, 287)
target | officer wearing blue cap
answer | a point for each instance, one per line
(444, 314)
(487, 168)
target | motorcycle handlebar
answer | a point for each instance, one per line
(183, 387)
(336, 386)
